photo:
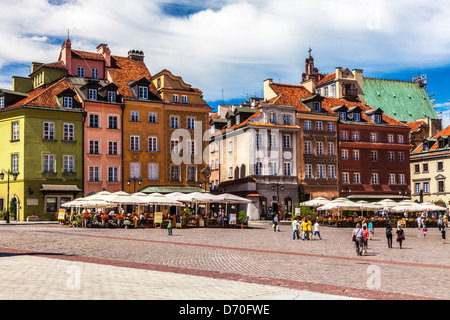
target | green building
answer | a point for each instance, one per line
(41, 133)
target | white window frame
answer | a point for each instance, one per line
(94, 73)
(143, 93)
(175, 98)
(80, 72)
(152, 144)
(135, 170)
(307, 125)
(331, 149)
(174, 122)
(345, 178)
(356, 178)
(309, 171)
(113, 174)
(152, 117)
(331, 172)
(191, 123)
(69, 164)
(48, 161)
(15, 162)
(69, 132)
(392, 179)
(49, 132)
(68, 102)
(374, 178)
(308, 147)
(288, 169)
(15, 131)
(135, 143)
(112, 96)
(184, 99)
(153, 171)
(134, 116)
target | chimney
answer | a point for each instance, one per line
(136, 55)
(66, 55)
(106, 53)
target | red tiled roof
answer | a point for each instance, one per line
(415, 125)
(445, 132)
(87, 55)
(225, 128)
(328, 77)
(44, 96)
(124, 70)
(290, 95)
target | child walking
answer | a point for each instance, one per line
(424, 230)
(169, 227)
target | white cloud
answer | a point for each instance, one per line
(238, 43)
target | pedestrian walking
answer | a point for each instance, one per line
(365, 239)
(419, 222)
(439, 222)
(389, 235)
(400, 235)
(443, 234)
(316, 231)
(275, 223)
(305, 229)
(309, 230)
(169, 227)
(295, 226)
(357, 237)
(371, 230)
(424, 230)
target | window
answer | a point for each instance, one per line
(153, 171)
(401, 179)
(330, 126)
(287, 142)
(191, 147)
(287, 169)
(400, 139)
(417, 188)
(425, 167)
(345, 178)
(378, 118)
(175, 98)
(113, 148)
(416, 168)
(344, 135)
(287, 119)
(401, 156)
(317, 106)
(356, 178)
(355, 154)
(308, 148)
(230, 146)
(152, 117)
(94, 73)
(49, 163)
(113, 174)
(355, 136)
(94, 121)
(273, 117)
(307, 125)
(440, 165)
(174, 122)
(343, 116)
(357, 116)
(374, 178)
(135, 170)
(143, 93)
(319, 148)
(333, 90)
(94, 174)
(374, 155)
(134, 116)
(51, 204)
(15, 163)
(325, 91)
(191, 123)
(68, 102)
(153, 144)
(373, 137)
(135, 143)
(113, 122)
(273, 143)
(320, 171)
(391, 178)
(426, 187)
(184, 99)
(174, 147)
(259, 140)
(191, 174)
(441, 186)
(308, 171)
(2, 102)
(69, 164)
(319, 126)
(259, 169)
(15, 130)
(80, 72)
(331, 172)
(344, 154)
(112, 96)
(94, 147)
(391, 156)
(158, 83)
(230, 172)
(390, 138)
(273, 168)
(69, 132)
(49, 131)
(331, 151)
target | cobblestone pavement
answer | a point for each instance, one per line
(57, 262)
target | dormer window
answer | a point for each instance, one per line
(94, 73)
(273, 117)
(343, 116)
(112, 96)
(317, 106)
(425, 146)
(378, 118)
(68, 102)
(357, 116)
(80, 72)
(287, 119)
(2, 102)
(92, 94)
(143, 93)
(440, 144)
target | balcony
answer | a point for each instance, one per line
(349, 92)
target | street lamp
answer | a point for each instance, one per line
(405, 191)
(200, 184)
(2, 176)
(278, 187)
(134, 179)
(346, 190)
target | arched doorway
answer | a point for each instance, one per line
(14, 207)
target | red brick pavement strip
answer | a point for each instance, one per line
(422, 265)
(299, 285)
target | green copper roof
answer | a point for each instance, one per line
(402, 100)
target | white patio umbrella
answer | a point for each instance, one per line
(340, 203)
(406, 208)
(427, 206)
(231, 198)
(159, 199)
(174, 195)
(316, 202)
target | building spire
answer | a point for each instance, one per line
(310, 50)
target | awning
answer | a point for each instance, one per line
(378, 197)
(171, 189)
(60, 188)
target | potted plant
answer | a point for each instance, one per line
(127, 224)
(242, 216)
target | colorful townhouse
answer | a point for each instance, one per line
(42, 137)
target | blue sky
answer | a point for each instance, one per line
(232, 46)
